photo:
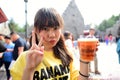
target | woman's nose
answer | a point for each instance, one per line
(51, 34)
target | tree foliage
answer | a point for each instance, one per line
(15, 27)
(105, 24)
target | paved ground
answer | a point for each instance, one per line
(3, 75)
(107, 62)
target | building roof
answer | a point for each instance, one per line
(3, 17)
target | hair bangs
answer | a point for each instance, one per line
(47, 18)
(52, 21)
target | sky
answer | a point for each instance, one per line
(93, 11)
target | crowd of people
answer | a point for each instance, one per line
(10, 48)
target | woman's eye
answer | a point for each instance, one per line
(55, 28)
(46, 29)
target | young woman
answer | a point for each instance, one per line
(49, 59)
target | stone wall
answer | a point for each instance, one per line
(73, 20)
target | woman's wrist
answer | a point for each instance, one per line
(84, 62)
(29, 69)
(83, 75)
(84, 66)
(29, 75)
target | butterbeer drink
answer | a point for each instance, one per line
(87, 48)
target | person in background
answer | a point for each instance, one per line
(118, 44)
(68, 39)
(2, 48)
(20, 45)
(7, 55)
(2, 42)
(91, 35)
(106, 39)
(49, 59)
(110, 37)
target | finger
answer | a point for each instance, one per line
(42, 48)
(35, 53)
(33, 38)
(96, 49)
(40, 42)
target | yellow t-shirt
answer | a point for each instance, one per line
(50, 68)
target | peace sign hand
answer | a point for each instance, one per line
(35, 54)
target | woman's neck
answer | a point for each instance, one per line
(48, 49)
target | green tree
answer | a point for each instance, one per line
(108, 23)
(15, 27)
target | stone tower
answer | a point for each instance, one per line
(73, 20)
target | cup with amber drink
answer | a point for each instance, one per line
(87, 48)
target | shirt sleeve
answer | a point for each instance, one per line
(17, 69)
(74, 72)
(74, 69)
(20, 43)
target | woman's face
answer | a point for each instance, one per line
(50, 37)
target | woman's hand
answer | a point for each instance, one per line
(35, 54)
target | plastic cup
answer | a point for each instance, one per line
(87, 48)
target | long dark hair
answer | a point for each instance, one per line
(49, 17)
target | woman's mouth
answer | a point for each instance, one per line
(52, 41)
